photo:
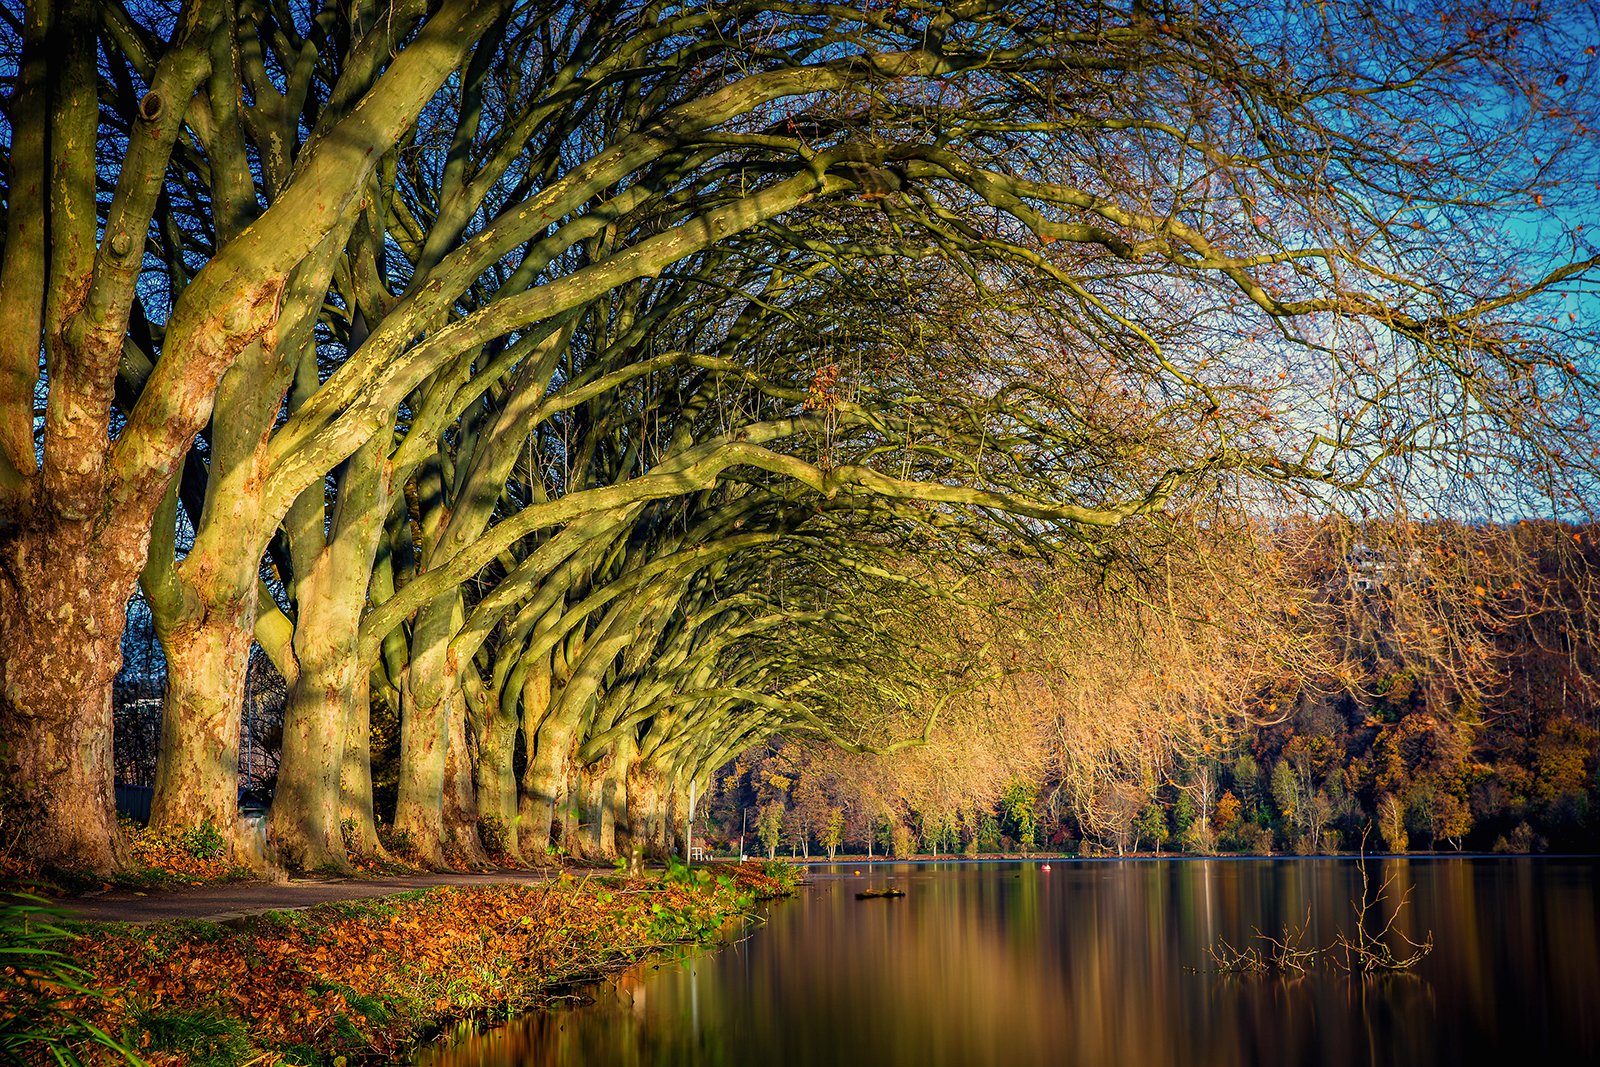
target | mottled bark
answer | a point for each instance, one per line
(356, 816)
(460, 795)
(586, 788)
(497, 778)
(611, 833)
(436, 808)
(208, 654)
(424, 741)
(61, 620)
(325, 729)
(643, 815)
(536, 804)
(304, 825)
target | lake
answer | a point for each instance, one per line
(1105, 963)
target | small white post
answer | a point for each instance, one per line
(688, 830)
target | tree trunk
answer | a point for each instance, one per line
(208, 655)
(306, 808)
(325, 776)
(497, 778)
(355, 779)
(565, 829)
(63, 603)
(460, 795)
(614, 817)
(304, 825)
(424, 742)
(419, 808)
(611, 804)
(545, 784)
(587, 783)
(643, 801)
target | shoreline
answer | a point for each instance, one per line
(1179, 857)
(374, 979)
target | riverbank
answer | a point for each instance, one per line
(364, 981)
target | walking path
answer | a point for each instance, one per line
(231, 901)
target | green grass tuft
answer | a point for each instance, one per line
(206, 1038)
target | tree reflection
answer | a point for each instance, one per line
(1105, 963)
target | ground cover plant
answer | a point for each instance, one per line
(366, 980)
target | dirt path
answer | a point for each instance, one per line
(248, 898)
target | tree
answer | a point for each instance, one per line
(1115, 814)
(1228, 811)
(1287, 795)
(1452, 819)
(1151, 826)
(769, 827)
(77, 500)
(1018, 807)
(1202, 789)
(1392, 823)
(833, 832)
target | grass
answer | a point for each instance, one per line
(205, 1038)
(47, 1002)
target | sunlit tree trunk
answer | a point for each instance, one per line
(614, 821)
(497, 778)
(460, 794)
(76, 509)
(644, 814)
(325, 775)
(424, 740)
(357, 818)
(61, 619)
(536, 803)
(325, 778)
(197, 771)
(587, 783)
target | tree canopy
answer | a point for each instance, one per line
(584, 391)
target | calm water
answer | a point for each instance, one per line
(1102, 963)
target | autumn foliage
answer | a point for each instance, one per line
(366, 980)
(196, 855)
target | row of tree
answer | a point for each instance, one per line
(564, 397)
(1350, 729)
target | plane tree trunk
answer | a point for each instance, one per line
(61, 620)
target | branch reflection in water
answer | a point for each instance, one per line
(1105, 963)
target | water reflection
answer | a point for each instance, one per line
(1105, 963)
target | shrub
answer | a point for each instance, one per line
(493, 832)
(203, 842)
(398, 842)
